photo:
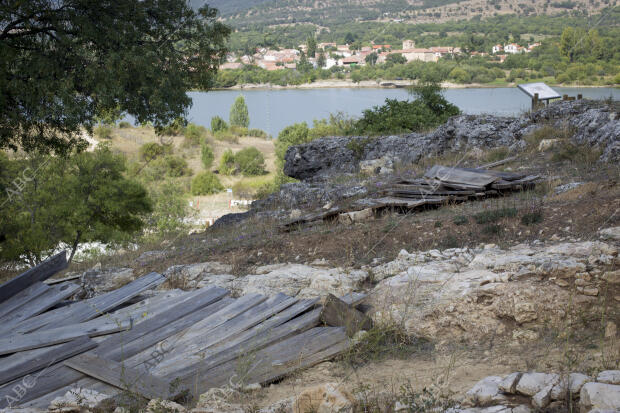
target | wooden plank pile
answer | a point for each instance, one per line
(172, 343)
(440, 185)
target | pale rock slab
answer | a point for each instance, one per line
(612, 233)
(78, 399)
(164, 406)
(609, 377)
(325, 398)
(532, 383)
(599, 396)
(573, 385)
(485, 392)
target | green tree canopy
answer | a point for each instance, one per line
(239, 115)
(64, 64)
(82, 198)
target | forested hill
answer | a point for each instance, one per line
(254, 13)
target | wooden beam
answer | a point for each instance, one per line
(46, 338)
(337, 313)
(22, 298)
(24, 363)
(40, 272)
(121, 376)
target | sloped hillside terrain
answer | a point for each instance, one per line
(506, 303)
(329, 12)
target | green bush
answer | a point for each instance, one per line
(206, 183)
(487, 217)
(460, 220)
(429, 109)
(194, 134)
(227, 136)
(152, 150)
(492, 229)
(258, 133)
(103, 132)
(532, 218)
(124, 125)
(207, 156)
(218, 124)
(250, 161)
(175, 128)
(176, 166)
(239, 115)
(227, 163)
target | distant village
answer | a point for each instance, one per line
(331, 54)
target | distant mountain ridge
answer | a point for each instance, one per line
(252, 13)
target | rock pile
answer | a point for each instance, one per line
(532, 391)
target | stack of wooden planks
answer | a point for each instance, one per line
(440, 185)
(174, 342)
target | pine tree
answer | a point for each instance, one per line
(239, 115)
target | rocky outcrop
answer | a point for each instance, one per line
(591, 123)
(545, 392)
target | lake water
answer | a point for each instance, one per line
(273, 110)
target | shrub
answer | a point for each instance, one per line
(194, 134)
(206, 183)
(258, 133)
(227, 163)
(495, 215)
(460, 220)
(239, 115)
(492, 229)
(207, 156)
(227, 136)
(176, 166)
(124, 125)
(218, 124)
(250, 161)
(428, 110)
(175, 128)
(532, 218)
(152, 150)
(103, 132)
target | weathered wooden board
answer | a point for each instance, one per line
(337, 313)
(46, 338)
(271, 362)
(121, 376)
(40, 272)
(116, 347)
(460, 176)
(502, 184)
(88, 309)
(209, 336)
(353, 298)
(507, 176)
(22, 297)
(19, 367)
(38, 305)
(254, 339)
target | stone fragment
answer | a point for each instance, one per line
(609, 377)
(324, 398)
(509, 383)
(164, 406)
(599, 396)
(485, 392)
(532, 383)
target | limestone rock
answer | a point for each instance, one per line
(78, 399)
(98, 281)
(612, 277)
(509, 383)
(532, 383)
(164, 406)
(325, 398)
(302, 280)
(356, 216)
(485, 392)
(612, 233)
(571, 383)
(599, 396)
(542, 399)
(609, 377)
